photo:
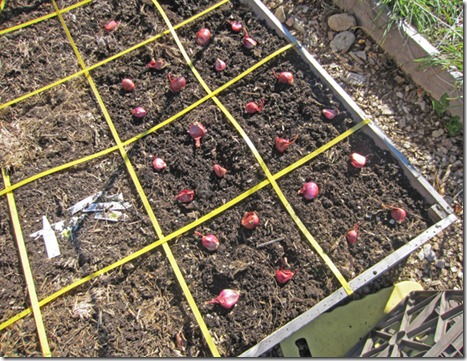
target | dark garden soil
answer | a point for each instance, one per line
(137, 309)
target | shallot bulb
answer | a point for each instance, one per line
(352, 234)
(235, 25)
(398, 214)
(227, 298)
(185, 196)
(284, 77)
(309, 190)
(282, 144)
(219, 65)
(252, 107)
(210, 241)
(158, 64)
(357, 160)
(176, 84)
(139, 112)
(250, 220)
(220, 171)
(284, 275)
(248, 41)
(197, 131)
(128, 85)
(158, 163)
(329, 113)
(203, 36)
(111, 25)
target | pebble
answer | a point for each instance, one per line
(298, 26)
(437, 133)
(399, 80)
(290, 21)
(341, 22)
(447, 143)
(427, 253)
(361, 54)
(443, 150)
(355, 79)
(423, 107)
(280, 14)
(342, 41)
(440, 263)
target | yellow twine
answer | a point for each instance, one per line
(189, 226)
(276, 187)
(41, 18)
(23, 254)
(147, 132)
(113, 57)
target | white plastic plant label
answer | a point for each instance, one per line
(50, 239)
(112, 216)
(84, 203)
(106, 206)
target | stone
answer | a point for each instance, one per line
(430, 256)
(342, 41)
(280, 14)
(354, 79)
(437, 133)
(290, 21)
(298, 26)
(361, 54)
(440, 263)
(399, 80)
(341, 22)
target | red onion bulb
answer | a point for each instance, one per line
(309, 190)
(197, 131)
(357, 160)
(185, 196)
(210, 241)
(158, 164)
(128, 85)
(250, 220)
(220, 171)
(282, 144)
(227, 298)
(284, 77)
(111, 25)
(352, 234)
(203, 36)
(252, 107)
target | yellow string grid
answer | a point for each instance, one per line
(164, 239)
(189, 226)
(23, 254)
(149, 131)
(147, 206)
(42, 18)
(113, 57)
(245, 137)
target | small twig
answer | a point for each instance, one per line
(273, 241)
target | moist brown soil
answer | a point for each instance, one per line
(137, 309)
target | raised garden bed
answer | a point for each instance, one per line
(151, 301)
